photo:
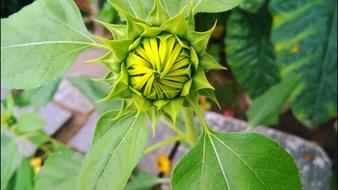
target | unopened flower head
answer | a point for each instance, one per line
(158, 62)
(159, 67)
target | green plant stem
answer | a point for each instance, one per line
(163, 180)
(165, 142)
(189, 124)
(202, 120)
(200, 116)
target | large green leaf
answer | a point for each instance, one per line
(24, 176)
(305, 38)
(60, 171)
(225, 161)
(214, 6)
(266, 108)
(95, 91)
(38, 97)
(114, 155)
(250, 52)
(10, 159)
(40, 42)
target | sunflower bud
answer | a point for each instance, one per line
(158, 64)
(159, 67)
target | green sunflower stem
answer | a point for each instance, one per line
(189, 124)
(165, 142)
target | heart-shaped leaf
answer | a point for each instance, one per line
(226, 161)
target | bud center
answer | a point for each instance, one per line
(159, 67)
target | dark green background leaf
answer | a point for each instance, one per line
(250, 52)
(305, 38)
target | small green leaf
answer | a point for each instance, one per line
(143, 181)
(29, 122)
(60, 171)
(40, 42)
(200, 81)
(207, 62)
(225, 161)
(200, 40)
(95, 91)
(24, 176)
(115, 154)
(40, 96)
(158, 14)
(177, 25)
(10, 159)
(266, 108)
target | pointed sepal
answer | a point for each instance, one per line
(199, 40)
(120, 88)
(118, 31)
(194, 58)
(207, 62)
(173, 108)
(186, 88)
(154, 116)
(177, 25)
(142, 104)
(211, 95)
(108, 60)
(200, 81)
(158, 14)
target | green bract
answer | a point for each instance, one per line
(159, 62)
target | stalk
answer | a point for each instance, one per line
(189, 124)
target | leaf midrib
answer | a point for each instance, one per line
(237, 155)
(116, 149)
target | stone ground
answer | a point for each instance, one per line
(71, 118)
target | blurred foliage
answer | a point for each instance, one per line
(269, 41)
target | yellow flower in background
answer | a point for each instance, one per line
(164, 164)
(36, 163)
